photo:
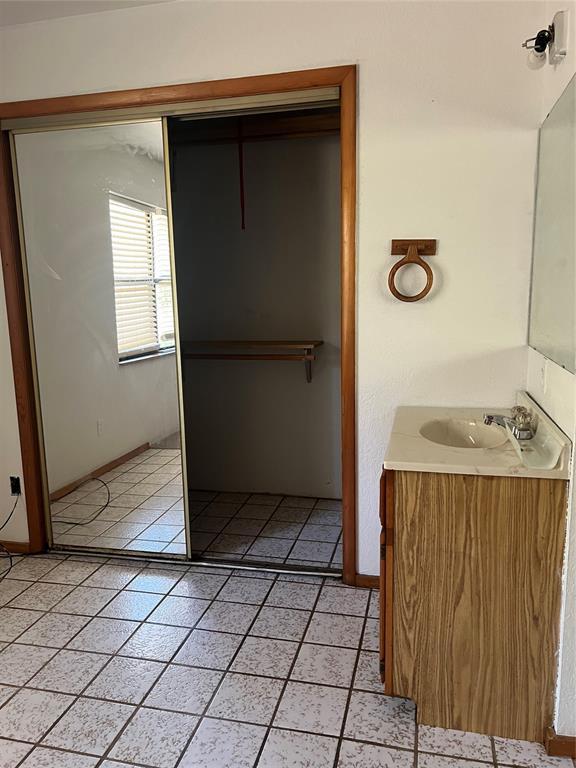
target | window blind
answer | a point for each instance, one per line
(162, 274)
(142, 279)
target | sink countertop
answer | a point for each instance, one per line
(409, 451)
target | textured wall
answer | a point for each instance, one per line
(447, 149)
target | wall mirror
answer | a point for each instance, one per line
(552, 328)
(95, 232)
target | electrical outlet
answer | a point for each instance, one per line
(15, 487)
(99, 427)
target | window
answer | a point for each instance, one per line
(142, 282)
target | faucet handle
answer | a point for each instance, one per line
(521, 414)
(522, 417)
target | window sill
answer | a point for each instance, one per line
(147, 356)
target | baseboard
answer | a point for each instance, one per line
(558, 745)
(65, 490)
(17, 547)
(363, 580)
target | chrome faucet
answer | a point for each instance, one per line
(521, 423)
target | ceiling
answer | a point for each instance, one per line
(26, 11)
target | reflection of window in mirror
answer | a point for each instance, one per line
(552, 306)
(142, 279)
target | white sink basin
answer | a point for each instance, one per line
(463, 433)
(456, 441)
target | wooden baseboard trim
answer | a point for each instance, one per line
(363, 580)
(558, 745)
(65, 490)
(17, 547)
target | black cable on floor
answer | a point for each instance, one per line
(5, 523)
(5, 554)
(98, 512)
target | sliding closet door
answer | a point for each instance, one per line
(97, 249)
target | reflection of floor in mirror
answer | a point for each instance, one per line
(274, 529)
(145, 512)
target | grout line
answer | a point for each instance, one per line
(224, 673)
(494, 755)
(288, 676)
(216, 719)
(304, 524)
(185, 597)
(351, 688)
(403, 750)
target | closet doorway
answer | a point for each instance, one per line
(256, 217)
(299, 90)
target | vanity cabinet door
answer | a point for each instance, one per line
(386, 576)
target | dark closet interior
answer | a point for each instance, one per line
(256, 217)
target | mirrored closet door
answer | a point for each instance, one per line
(97, 253)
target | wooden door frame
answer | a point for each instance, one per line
(343, 77)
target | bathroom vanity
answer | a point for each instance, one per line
(471, 566)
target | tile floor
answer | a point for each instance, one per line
(114, 663)
(264, 528)
(146, 514)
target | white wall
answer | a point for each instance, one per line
(555, 389)
(259, 426)
(94, 410)
(447, 148)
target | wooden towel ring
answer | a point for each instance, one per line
(413, 250)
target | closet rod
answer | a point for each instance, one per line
(303, 351)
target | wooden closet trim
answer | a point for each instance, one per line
(173, 94)
(22, 367)
(348, 320)
(342, 76)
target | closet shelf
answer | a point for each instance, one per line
(262, 349)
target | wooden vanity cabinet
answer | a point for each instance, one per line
(470, 588)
